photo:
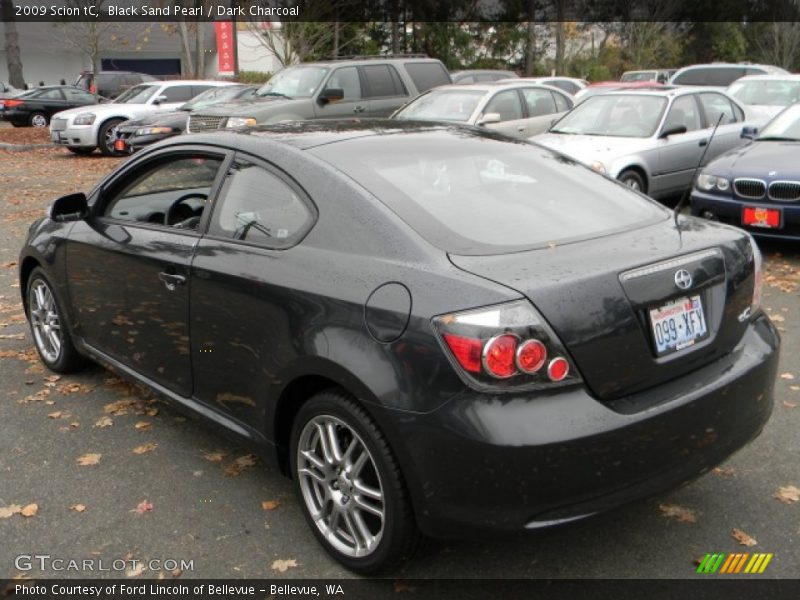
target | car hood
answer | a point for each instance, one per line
(588, 148)
(759, 159)
(111, 109)
(170, 119)
(252, 107)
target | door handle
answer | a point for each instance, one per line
(171, 281)
(359, 109)
(703, 143)
(521, 128)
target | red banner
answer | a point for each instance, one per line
(226, 52)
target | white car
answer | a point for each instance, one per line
(764, 96)
(83, 129)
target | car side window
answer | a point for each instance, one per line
(713, 106)
(348, 81)
(466, 80)
(383, 81)
(199, 89)
(507, 105)
(562, 103)
(683, 112)
(539, 102)
(259, 207)
(177, 93)
(50, 95)
(74, 95)
(172, 193)
(427, 75)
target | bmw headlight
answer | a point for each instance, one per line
(708, 183)
(153, 130)
(84, 119)
(234, 122)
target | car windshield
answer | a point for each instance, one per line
(616, 115)
(766, 93)
(639, 76)
(294, 82)
(470, 192)
(212, 96)
(784, 127)
(138, 94)
(444, 105)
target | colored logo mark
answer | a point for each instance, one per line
(735, 563)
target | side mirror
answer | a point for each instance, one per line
(674, 130)
(73, 207)
(330, 95)
(159, 99)
(749, 133)
(488, 119)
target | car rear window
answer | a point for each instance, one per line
(469, 192)
(427, 75)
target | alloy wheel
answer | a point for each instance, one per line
(45, 322)
(633, 184)
(341, 486)
(39, 120)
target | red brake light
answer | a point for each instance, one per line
(499, 354)
(557, 369)
(466, 350)
(12, 103)
(531, 356)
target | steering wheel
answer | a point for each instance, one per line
(179, 212)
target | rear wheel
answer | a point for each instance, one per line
(633, 180)
(50, 333)
(107, 136)
(81, 151)
(38, 119)
(350, 485)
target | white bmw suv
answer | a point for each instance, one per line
(83, 129)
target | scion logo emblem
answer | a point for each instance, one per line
(683, 279)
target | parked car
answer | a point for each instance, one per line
(516, 109)
(764, 96)
(571, 85)
(480, 76)
(365, 87)
(111, 84)
(8, 91)
(601, 87)
(36, 107)
(757, 186)
(651, 140)
(81, 130)
(430, 328)
(720, 75)
(657, 75)
(135, 134)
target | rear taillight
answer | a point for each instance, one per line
(505, 346)
(758, 282)
(12, 103)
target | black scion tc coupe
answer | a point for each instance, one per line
(430, 328)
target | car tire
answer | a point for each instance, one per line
(633, 180)
(342, 490)
(80, 151)
(38, 120)
(106, 137)
(49, 329)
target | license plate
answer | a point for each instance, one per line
(678, 324)
(56, 136)
(756, 216)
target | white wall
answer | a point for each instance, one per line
(252, 55)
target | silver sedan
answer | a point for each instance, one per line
(516, 109)
(650, 140)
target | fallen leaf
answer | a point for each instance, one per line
(284, 565)
(103, 422)
(78, 508)
(401, 586)
(217, 456)
(240, 464)
(55, 415)
(795, 388)
(726, 471)
(270, 504)
(143, 507)
(741, 537)
(52, 378)
(30, 510)
(8, 265)
(143, 425)
(8, 511)
(145, 448)
(788, 494)
(777, 318)
(788, 404)
(152, 412)
(88, 460)
(679, 513)
(74, 424)
(787, 376)
(176, 573)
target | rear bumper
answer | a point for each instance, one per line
(502, 464)
(14, 116)
(729, 210)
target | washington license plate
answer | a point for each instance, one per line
(678, 324)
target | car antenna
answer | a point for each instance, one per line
(688, 190)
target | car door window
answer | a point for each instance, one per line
(539, 102)
(75, 95)
(683, 112)
(259, 207)
(199, 89)
(562, 103)
(427, 75)
(383, 81)
(50, 95)
(506, 104)
(713, 106)
(172, 193)
(347, 80)
(177, 93)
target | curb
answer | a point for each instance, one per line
(23, 147)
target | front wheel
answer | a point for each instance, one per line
(107, 136)
(633, 180)
(350, 486)
(39, 119)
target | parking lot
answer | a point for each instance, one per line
(101, 470)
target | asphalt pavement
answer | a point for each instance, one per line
(157, 486)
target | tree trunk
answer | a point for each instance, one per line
(530, 49)
(559, 47)
(336, 25)
(13, 59)
(188, 68)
